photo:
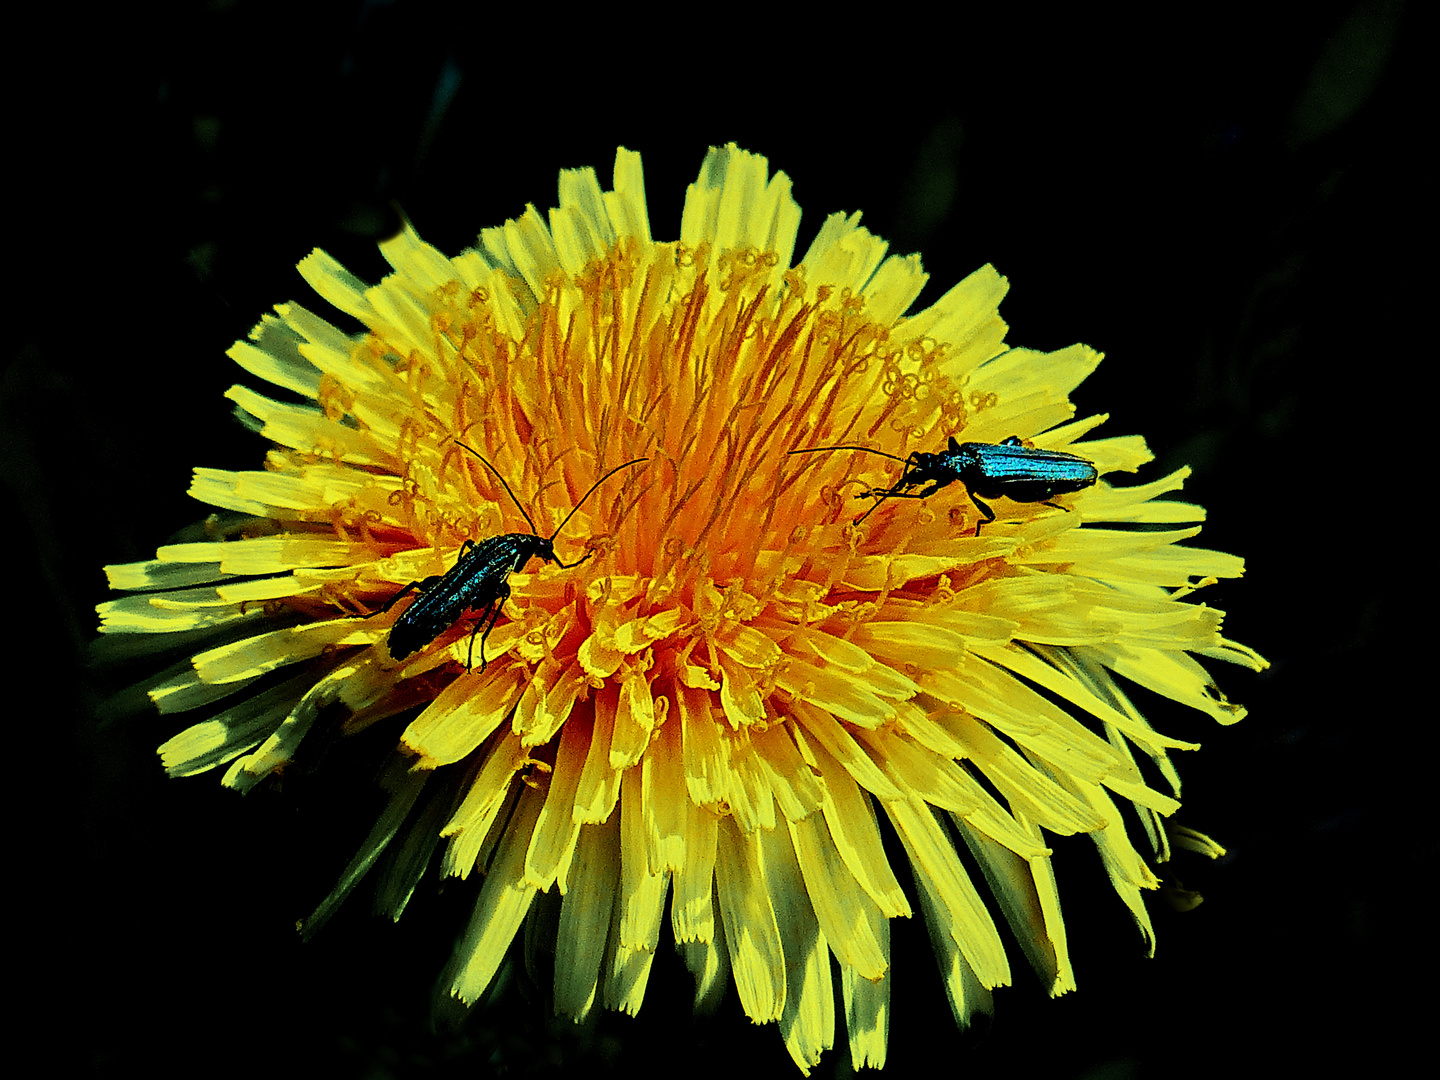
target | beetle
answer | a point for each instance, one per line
(1008, 469)
(478, 580)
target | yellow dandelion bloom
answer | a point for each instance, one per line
(739, 691)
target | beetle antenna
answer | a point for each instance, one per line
(587, 494)
(504, 485)
(865, 449)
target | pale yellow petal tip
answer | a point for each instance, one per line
(177, 754)
(1181, 899)
(1236, 653)
(1187, 839)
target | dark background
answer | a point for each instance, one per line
(1226, 204)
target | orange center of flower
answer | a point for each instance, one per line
(710, 558)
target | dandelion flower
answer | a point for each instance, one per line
(721, 711)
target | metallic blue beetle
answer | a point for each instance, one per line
(1008, 469)
(478, 580)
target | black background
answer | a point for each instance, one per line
(1225, 203)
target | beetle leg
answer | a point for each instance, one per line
(488, 620)
(577, 562)
(989, 514)
(912, 466)
(901, 488)
(418, 586)
(881, 494)
(867, 513)
(897, 492)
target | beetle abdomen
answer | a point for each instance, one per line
(477, 580)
